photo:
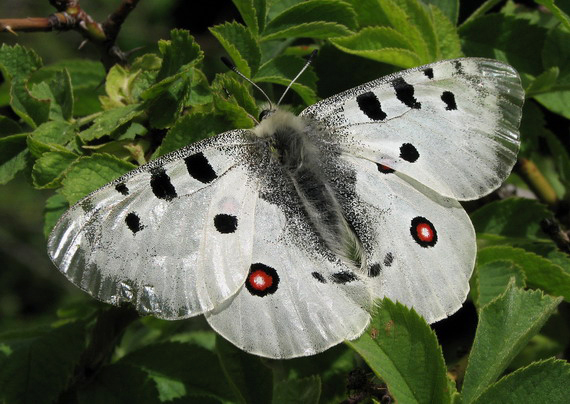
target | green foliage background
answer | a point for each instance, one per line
(65, 133)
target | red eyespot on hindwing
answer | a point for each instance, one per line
(423, 232)
(262, 280)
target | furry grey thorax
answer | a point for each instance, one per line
(288, 137)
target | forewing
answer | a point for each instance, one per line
(419, 246)
(314, 302)
(174, 237)
(451, 125)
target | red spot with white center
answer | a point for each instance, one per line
(262, 280)
(423, 232)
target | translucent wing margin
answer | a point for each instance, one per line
(174, 237)
(451, 125)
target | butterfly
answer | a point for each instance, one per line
(284, 235)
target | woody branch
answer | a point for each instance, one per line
(70, 16)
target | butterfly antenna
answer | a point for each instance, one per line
(233, 67)
(311, 58)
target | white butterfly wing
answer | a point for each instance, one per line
(451, 125)
(313, 303)
(419, 246)
(173, 237)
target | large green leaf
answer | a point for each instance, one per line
(541, 382)
(400, 347)
(14, 156)
(493, 278)
(109, 121)
(49, 169)
(240, 44)
(450, 8)
(505, 326)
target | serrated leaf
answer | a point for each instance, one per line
(200, 93)
(178, 53)
(505, 38)
(505, 326)
(14, 156)
(541, 382)
(539, 272)
(163, 359)
(50, 136)
(248, 377)
(233, 101)
(494, 277)
(191, 128)
(41, 363)
(165, 108)
(313, 19)
(32, 110)
(402, 350)
(118, 87)
(543, 82)
(419, 17)
(56, 205)
(512, 217)
(449, 8)
(111, 120)
(282, 69)
(307, 390)
(90, 173)
(240, 44)
(448, 41)
(369, 13)
(17, 61)
(50, 168)
(248, 12)
(382, 44)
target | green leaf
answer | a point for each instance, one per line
(60, 86)
(539, 272)
(282, 69)
(418, 16)
(56, 205)
(307, 390)
(117, 384)
(249, 13)
(507, 39)
(191, 128)
(91, 173)
(512, 217)
(109, 121)
(240, 44)
(236, 104)
(561, 15)
(543, 82)
(178, 53)
(505, 326)
(400, 347)
(50, 136)
(17, 61)
(541, 382)
(41, 363)
(494, 277)
(200, 93)
(49, 169)
(9, 126)
(369, 13)
(449, 8)
(32, 110)
(163, 360)
(118, 87)
(312, 19)
(166, 108)
(14, 156)
(449, 43)
(382, 44)
(248, 377)
(557, 102)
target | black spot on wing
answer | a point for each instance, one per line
(225, 223)
(405, 93)
(319, 277)
(388, 259)
(343, 277)
(199, 168)
(133, 222)
(409, 153)
(370, 105)
(428, 72)
(458, 67)
(122, 188)
(161, 185)
(449, 100)
(374, 270)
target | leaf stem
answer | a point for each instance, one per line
(537, 182)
